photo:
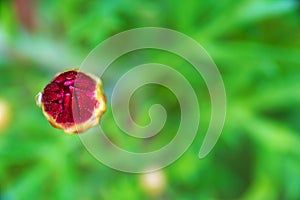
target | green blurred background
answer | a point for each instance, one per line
(256, 45)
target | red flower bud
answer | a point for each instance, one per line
(73, 101)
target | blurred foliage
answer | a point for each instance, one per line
(255, 44)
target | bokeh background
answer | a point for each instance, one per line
(255, 44)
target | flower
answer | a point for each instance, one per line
(73, 101)
(5, 114)
(154, 182)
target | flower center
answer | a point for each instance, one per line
(70, 98)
